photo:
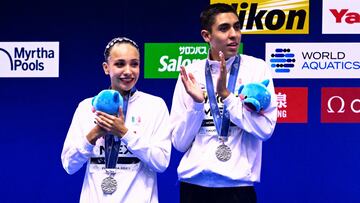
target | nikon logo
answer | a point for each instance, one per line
(269, 17)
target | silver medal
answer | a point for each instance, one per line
(223, 152)
(109, 185)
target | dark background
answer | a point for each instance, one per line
(310, 162)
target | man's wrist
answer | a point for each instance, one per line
(224, 94)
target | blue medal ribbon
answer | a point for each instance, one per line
(112, 143)
(221, 122)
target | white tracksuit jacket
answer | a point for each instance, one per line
(147, 143)
(194, 133)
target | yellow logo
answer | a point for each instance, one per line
(271, 17)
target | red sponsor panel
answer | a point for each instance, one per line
(340, 105)
(292, 104)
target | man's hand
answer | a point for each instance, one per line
(191, 86)
(221, 89)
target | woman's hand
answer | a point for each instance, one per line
(114, 125)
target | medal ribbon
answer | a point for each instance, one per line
(222, 126)
(112, 143)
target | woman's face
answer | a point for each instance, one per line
(123, 67)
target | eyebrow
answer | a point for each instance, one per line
(236, 22)
(224, 25)
(229, 25)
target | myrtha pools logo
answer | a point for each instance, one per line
(282, 60)
(29, 59)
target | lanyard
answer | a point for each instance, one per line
(112, 144)
(222, 126)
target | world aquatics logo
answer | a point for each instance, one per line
(282, 60)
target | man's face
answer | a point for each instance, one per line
(225, 35)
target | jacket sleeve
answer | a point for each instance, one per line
(76, 150)
(186, 117)
(155, 153)
(259, 125)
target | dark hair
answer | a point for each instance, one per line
(118, 40)
(207, 16)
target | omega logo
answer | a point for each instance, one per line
(342, 107)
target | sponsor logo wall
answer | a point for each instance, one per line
(288, 60)
(29, 59)
(312, 49)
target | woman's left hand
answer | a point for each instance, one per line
(114, 125)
